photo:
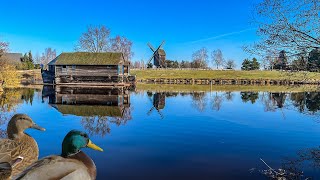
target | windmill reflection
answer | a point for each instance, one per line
(99, 107)
(158, 101)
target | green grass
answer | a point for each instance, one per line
(219, 74)
(225, 88)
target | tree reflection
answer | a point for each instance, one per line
(298, 101)
(306, 102)
(217, 102)
(249, 96)
(293, 167)
(229, 96)
(199, 101)
(171, 94)
(28, 95)
(96, 125)
(267, 102)
(279, 99)
(9, 101)
(100, 125)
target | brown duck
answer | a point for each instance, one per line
(71, 164)
(20, 150)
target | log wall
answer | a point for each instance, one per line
(92, 75)
(86, 70)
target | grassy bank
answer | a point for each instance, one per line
(205, 88)
(28, 74)
(219, 74)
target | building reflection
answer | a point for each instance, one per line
(99, 107)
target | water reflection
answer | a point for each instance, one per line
(229, 96)
(249, 96)
(293, 167)
(199, 100)
(217, 101)
(158, 101)
(98, 107)
(201, 127)
(309, 101)
(10, 99)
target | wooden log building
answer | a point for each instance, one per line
(90, 68)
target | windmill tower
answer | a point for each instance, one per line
(158, 56)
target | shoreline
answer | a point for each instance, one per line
(201, 88)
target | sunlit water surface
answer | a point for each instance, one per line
(178, 135)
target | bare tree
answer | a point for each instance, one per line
(290, 25)
(123, 45)
(142, 64)
(230, 64)
(48, 55)
(200, 58)
(137, 64)
(217, 58)
(37, 59)
(95, 39)
(269, 59)
(4, 47)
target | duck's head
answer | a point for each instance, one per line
(20, 122)
(74, 141)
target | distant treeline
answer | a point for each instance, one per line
(200, 60)
(304, 62)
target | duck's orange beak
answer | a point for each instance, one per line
(93, 146)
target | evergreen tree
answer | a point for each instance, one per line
(255, 65)
(300, 64)
(246, 65)
(314, 60)
(282, 61)
(30, 58)
(27, 62)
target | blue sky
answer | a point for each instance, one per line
(185, 25)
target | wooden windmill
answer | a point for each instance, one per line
(158, 56)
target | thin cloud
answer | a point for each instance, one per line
(222, 35)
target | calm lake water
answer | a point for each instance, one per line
(177, 135)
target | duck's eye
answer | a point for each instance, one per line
(85, 135)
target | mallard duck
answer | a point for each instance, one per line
(71, 164)
(20, 150)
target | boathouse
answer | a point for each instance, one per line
(89, 68)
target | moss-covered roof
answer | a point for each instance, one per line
(86, 110)
(88, 58)
(12, 58)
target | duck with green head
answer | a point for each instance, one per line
(20, 150)
(71, 164)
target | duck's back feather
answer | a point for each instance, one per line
(56, 167)
(9, 149)
(25, 148)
